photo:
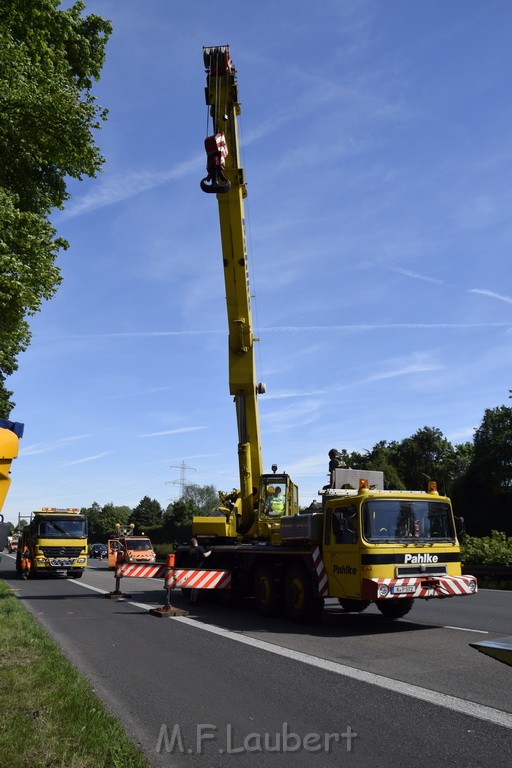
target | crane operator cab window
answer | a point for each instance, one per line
(344, 525)
(273, 497)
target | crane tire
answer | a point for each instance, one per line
(302, 604)
(394, 609)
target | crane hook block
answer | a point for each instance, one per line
(215, 182)
(216, 153)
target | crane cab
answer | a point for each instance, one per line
(276, 498)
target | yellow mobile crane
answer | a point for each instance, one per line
(366, 544)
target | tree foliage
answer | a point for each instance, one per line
(483, 494)
(102, 520)
(49, 59)
(412, 462)
(195, 500)
(147, 514)
(495, 549)
(492, 461)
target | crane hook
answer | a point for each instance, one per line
(216, 153)
(215, 182)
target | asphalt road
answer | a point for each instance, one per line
(224, 687)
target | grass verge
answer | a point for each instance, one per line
(51, 717)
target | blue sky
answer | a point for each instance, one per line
(376, 141)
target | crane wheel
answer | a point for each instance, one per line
(353, 606)
(266, 592)
(394, 609)
(301, 602)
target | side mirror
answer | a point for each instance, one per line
(460, 528)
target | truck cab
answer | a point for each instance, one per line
(130, 549)
(378, 545)
(57, 541)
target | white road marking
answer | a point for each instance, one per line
(88, 586)
(470, 708)
(446, 626)
(496, 716)
(465, 629)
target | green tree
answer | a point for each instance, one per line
(483, 496)
(426, 455)
(492, 459)
(49, 59)
(202, 498)
(177, 521)
(147, 514)
(102, 520)
(196, 500)
(382, 457)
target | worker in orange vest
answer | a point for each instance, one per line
(26, 562)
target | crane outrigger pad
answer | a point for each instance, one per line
(501, 650)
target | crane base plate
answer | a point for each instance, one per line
(168, 611)
(117, 595)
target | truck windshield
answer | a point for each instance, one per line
(403, 520)
(63, 528)
(139, 545)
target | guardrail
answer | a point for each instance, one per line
(489, 571)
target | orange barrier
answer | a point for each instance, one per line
(186, 578)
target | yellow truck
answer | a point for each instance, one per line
(364, 544)
(56, 540)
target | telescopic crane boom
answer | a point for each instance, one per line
(245, 513)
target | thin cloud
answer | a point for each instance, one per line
(380, 327)
(303, 412)
(86, 459)
(114, 189)
(38, 448)
(178, 431)
(290, 329)
(406, 370)
(134, 334)
(415, 275)
(491, 294)
(297, 393)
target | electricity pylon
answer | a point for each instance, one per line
(182, 482)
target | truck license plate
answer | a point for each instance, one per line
(408, 589)
(60, 563)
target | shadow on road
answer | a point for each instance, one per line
(335, 621)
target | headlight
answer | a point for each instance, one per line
(472, 585)
(383, 590)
